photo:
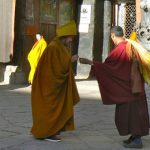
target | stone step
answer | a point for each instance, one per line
(12, 75)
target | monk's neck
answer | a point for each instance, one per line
(120, 40)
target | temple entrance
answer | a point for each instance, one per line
(37, 16)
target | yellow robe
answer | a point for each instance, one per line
(133, 36)
(34, 56)
(54, 92)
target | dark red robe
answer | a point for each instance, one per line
(114, 79)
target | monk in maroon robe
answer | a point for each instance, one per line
(121, 83)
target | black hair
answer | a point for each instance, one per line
(117, 30)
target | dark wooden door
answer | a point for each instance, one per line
(37, 16)
(46, 17)
(51, 13)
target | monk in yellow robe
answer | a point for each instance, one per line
(35, 54)
(54, 92)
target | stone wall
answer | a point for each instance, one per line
(86, 42)
(95, 44)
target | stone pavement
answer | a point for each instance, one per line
(95, 128)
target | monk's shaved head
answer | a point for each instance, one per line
(117, 30)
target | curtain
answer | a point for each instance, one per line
(7, 17)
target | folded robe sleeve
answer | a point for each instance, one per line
(114, 77)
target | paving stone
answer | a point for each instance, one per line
(95, 127)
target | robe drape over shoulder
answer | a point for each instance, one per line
(54, 92)
(114, 77)
(35, 55)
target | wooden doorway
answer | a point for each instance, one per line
(38, 16)
(51, 13)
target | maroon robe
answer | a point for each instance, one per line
(114, 79)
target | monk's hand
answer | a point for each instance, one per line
(85, 61)
(74, 58)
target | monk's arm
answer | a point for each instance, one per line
(74, 58)
(85, 61)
